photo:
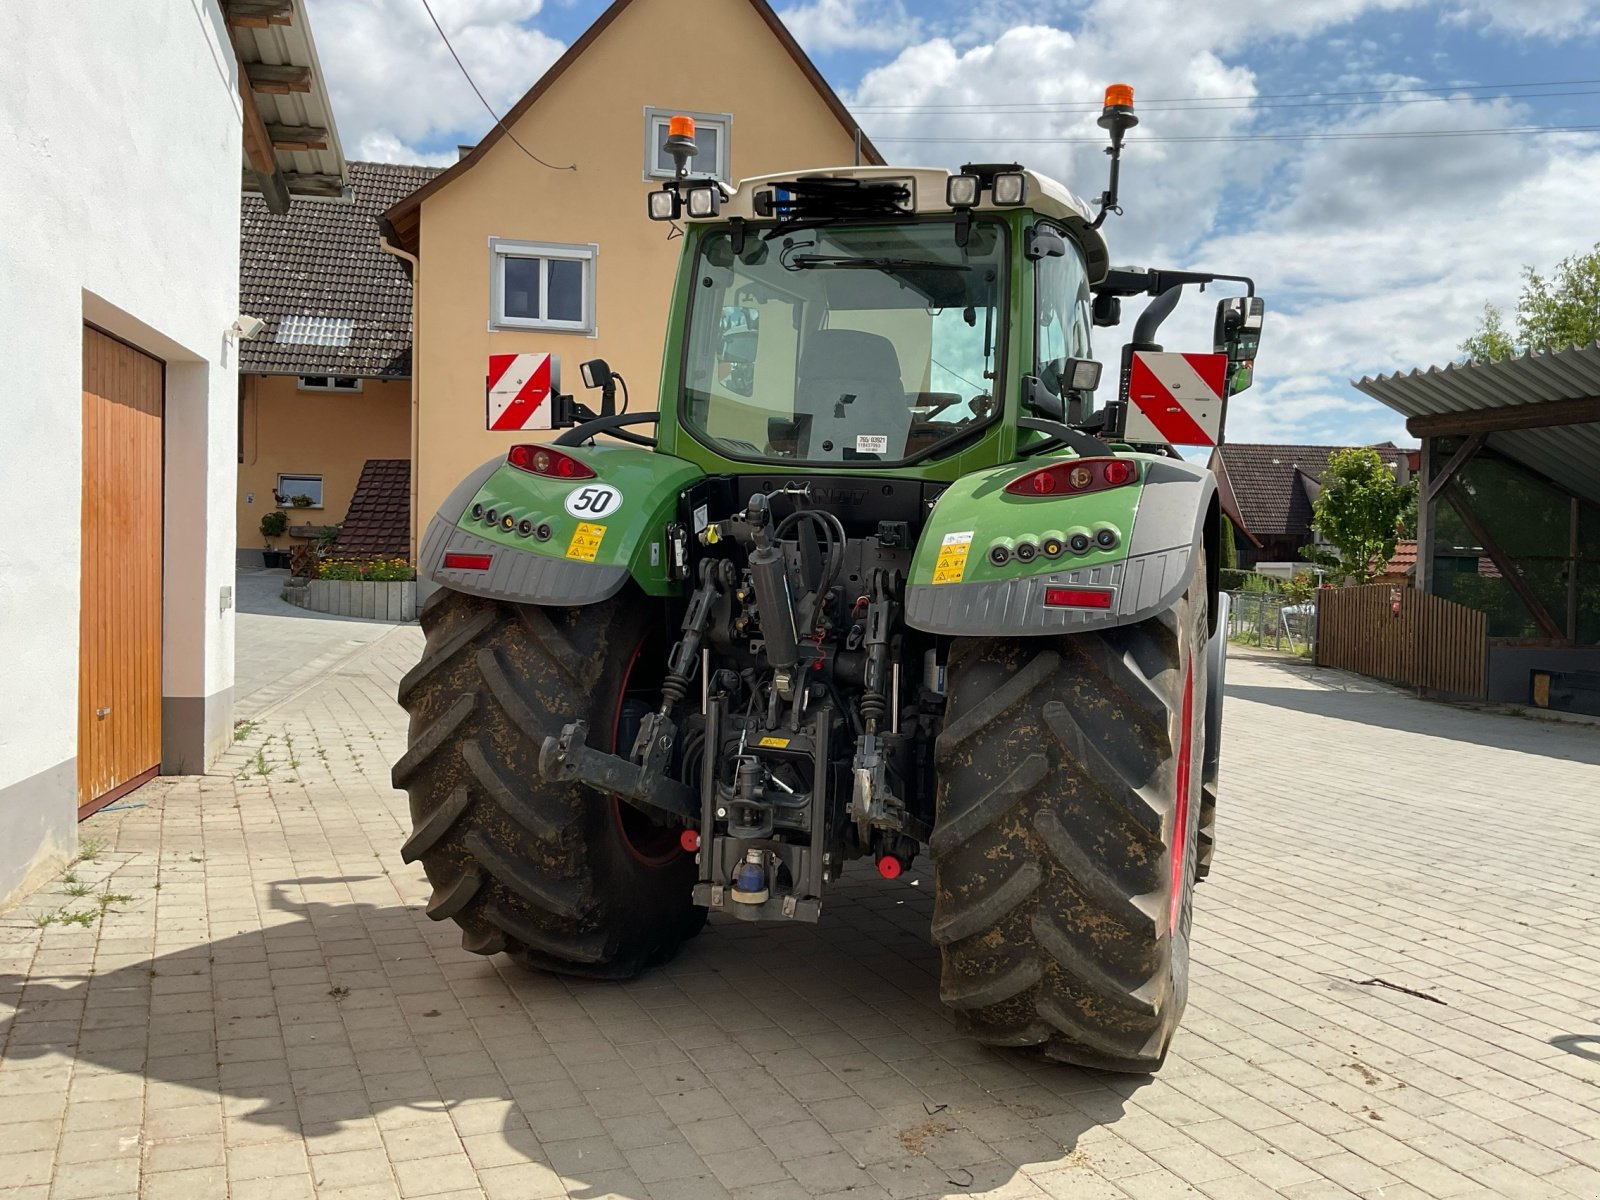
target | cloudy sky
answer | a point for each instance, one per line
(1374, 252)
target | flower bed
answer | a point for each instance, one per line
(377, 589)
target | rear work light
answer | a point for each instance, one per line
(1075, 476)
(467, 562)
(1078, 597)
(542, 460)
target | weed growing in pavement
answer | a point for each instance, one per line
(70, 877)
(243, 729)
(41, 920)
(338, 991)
(106, 899)
(79, 889)
(85, 919)
(89, 849)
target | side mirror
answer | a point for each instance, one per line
(1043, 242)
(1238, 335)
(1107, 310)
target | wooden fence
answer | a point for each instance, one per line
(1428, 643)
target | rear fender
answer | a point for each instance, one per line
(1160, 522)
(598, 538)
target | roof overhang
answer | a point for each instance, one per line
(1541, 410)
(291, 147)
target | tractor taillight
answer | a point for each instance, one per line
(467, 562)
(542, 460)
(1080, 597)
(1074, 477)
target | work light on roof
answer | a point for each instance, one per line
(704, 201)
(1010, 188)
(664, 205)
(961, 191)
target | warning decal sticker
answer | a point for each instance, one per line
(952, 561)
(585, 543)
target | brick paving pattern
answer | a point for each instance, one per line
(239, 996)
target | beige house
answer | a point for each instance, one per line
(513, 256)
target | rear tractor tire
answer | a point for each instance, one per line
(556, 875)
(1066, 836)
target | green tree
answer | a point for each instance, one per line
(1358, 513)
(1552, 313)
(1229, 548)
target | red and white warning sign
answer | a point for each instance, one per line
(519, 390)
(1176, 398)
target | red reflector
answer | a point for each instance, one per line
(689, 839)
(890, 867)
(542, 460)
(468, 562)
(1075, 476)
(1060, 597)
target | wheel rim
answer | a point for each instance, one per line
(650, 844)
(1180, 807)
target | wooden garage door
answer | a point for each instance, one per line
(119, 671)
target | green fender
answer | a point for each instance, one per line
(1158, 523)
(560, 541)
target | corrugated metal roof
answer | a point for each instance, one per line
(1568, 454)
(293, 45)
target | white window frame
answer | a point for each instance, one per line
(304, 384)
(501, 249)
(654, 117)
(289, 494)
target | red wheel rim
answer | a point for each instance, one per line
(1180, 807)
(649, 844)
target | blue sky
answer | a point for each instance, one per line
(1374, 254)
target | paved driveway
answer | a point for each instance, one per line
(1396, 994)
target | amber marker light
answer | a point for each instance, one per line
(1119, 95)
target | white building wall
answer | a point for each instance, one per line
(119, 204)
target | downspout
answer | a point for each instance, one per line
(389, 247)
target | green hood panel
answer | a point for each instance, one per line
(617, 519)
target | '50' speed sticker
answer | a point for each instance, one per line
(593, 501)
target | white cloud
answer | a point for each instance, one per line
(824, 25)
(1524, 18)
(394, 83)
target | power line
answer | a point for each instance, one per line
(1044, 107)
(1095, 106)
(1263, 137)
(465, 75)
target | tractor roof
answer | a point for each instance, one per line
(1045, 197)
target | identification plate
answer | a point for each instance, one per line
(585, 543)
(777, 743)
(872, 443)
(951, 564)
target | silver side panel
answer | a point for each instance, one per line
(515, 575)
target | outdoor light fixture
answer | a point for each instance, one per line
(704, 202)
(1010, 188)
(664, 205)
(1083, 374)
(961, 191)
(596, 373)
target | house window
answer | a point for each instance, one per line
(541, 285)
(290, 486)
(329, 383)
(711, 135)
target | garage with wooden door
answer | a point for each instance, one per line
(119, 671)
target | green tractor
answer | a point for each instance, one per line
(882, 581)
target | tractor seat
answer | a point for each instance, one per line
(849, 386)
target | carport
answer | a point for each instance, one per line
(1509, 513)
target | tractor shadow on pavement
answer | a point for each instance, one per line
(817, 1056)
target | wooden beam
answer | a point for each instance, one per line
(278, 80)
(1539, 415)
(298, 137)
(272, 188)
(1425, 509)
(258, 155)
(1430, 487)
(309, 184)
(1462, 503)
(258, 14)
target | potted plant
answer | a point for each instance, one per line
(275, 524)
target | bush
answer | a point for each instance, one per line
(367, 570)
(1231, 580)
(275, 524)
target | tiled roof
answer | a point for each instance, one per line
(1405, 557)
(1274, 486)
(378, 523)
(322, 260)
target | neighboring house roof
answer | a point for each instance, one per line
(1273, 487)
(291, 147)
(1539, 409)
(378, 522)
(404, 216)
(333, 301)
(1404, 560)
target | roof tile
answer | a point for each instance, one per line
(1275, 485)
(378, 523)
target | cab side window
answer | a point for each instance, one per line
(1061, 310)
